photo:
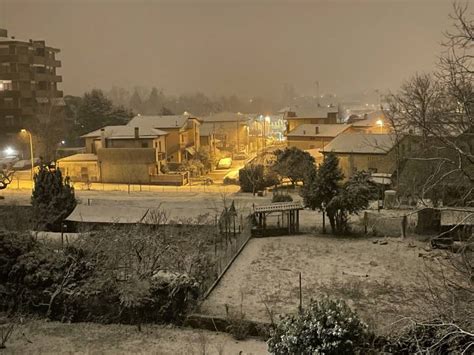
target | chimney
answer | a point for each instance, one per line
(3, 33)
(137, 133)
(304, 132)
(102, 138)
(316, 130)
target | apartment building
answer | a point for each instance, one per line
(28, 83)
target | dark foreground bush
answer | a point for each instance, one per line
(324, 327)
(436, 337)
(80, 284)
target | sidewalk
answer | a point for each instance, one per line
(215, 188)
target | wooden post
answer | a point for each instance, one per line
(366, 217)
(404, 226)
(301, 295)
(324, 221)
(289, 224)
(297, 221)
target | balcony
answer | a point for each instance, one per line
(14, 58)
(16, 93)
(17, 76)
(47, 77)
(48, 93)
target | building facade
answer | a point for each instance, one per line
(28, 84)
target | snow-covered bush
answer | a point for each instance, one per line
(324, 327)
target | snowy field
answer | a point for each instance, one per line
(376, 279)
(44, 337)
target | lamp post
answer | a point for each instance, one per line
(380, 124)
(31, 151)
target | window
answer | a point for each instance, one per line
(145, 145)
(84, 173)
(6, 85)
(159, 145)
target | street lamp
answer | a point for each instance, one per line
(8, 151)
(380, 124)
(31, 150)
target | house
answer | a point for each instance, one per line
(314, 136)
(373, 122)
(182, 134)
(208, 138)
(125, 154)
(80, 167)
(322, 116)
(363, 151)
(230, 130)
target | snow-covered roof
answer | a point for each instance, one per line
(111, 214)
(363, 143)
(79, 157)
(125, 132)
(318, 130)
(160, 122)
(226, 117)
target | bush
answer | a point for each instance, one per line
(278, 197)
(326, 326)
(87, 284)
(254, 178)
(52, 199)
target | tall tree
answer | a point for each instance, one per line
(310, 189)
(96, 111)
(353, 197)
(293, 163)
(136, 102)
(154, 102)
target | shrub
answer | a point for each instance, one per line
(52, 199)
(326, 326)
(278, 197)
(254, 177)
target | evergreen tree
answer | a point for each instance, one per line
(353, 197)
(166, 111)
(309, 190)
(95, 110)
(154, 102)
(328, 180)
(136, 103)
(52, 199)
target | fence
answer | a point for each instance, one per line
(228, 242)
(395, 224)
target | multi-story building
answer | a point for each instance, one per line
(28, 83)
(322, 116)
(230, 130)
(182, 134)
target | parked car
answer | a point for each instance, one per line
(25, 164)
(224, 163)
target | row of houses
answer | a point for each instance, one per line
(366, 143)
(138, 151)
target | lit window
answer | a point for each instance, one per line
(5, 85)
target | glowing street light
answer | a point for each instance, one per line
(380, 124)
(31, 150)
(8, 151)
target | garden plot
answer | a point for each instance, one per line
(380, 280)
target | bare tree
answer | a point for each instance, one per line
(436, 112)
(6, 177)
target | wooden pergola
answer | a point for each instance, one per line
(290, 217)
